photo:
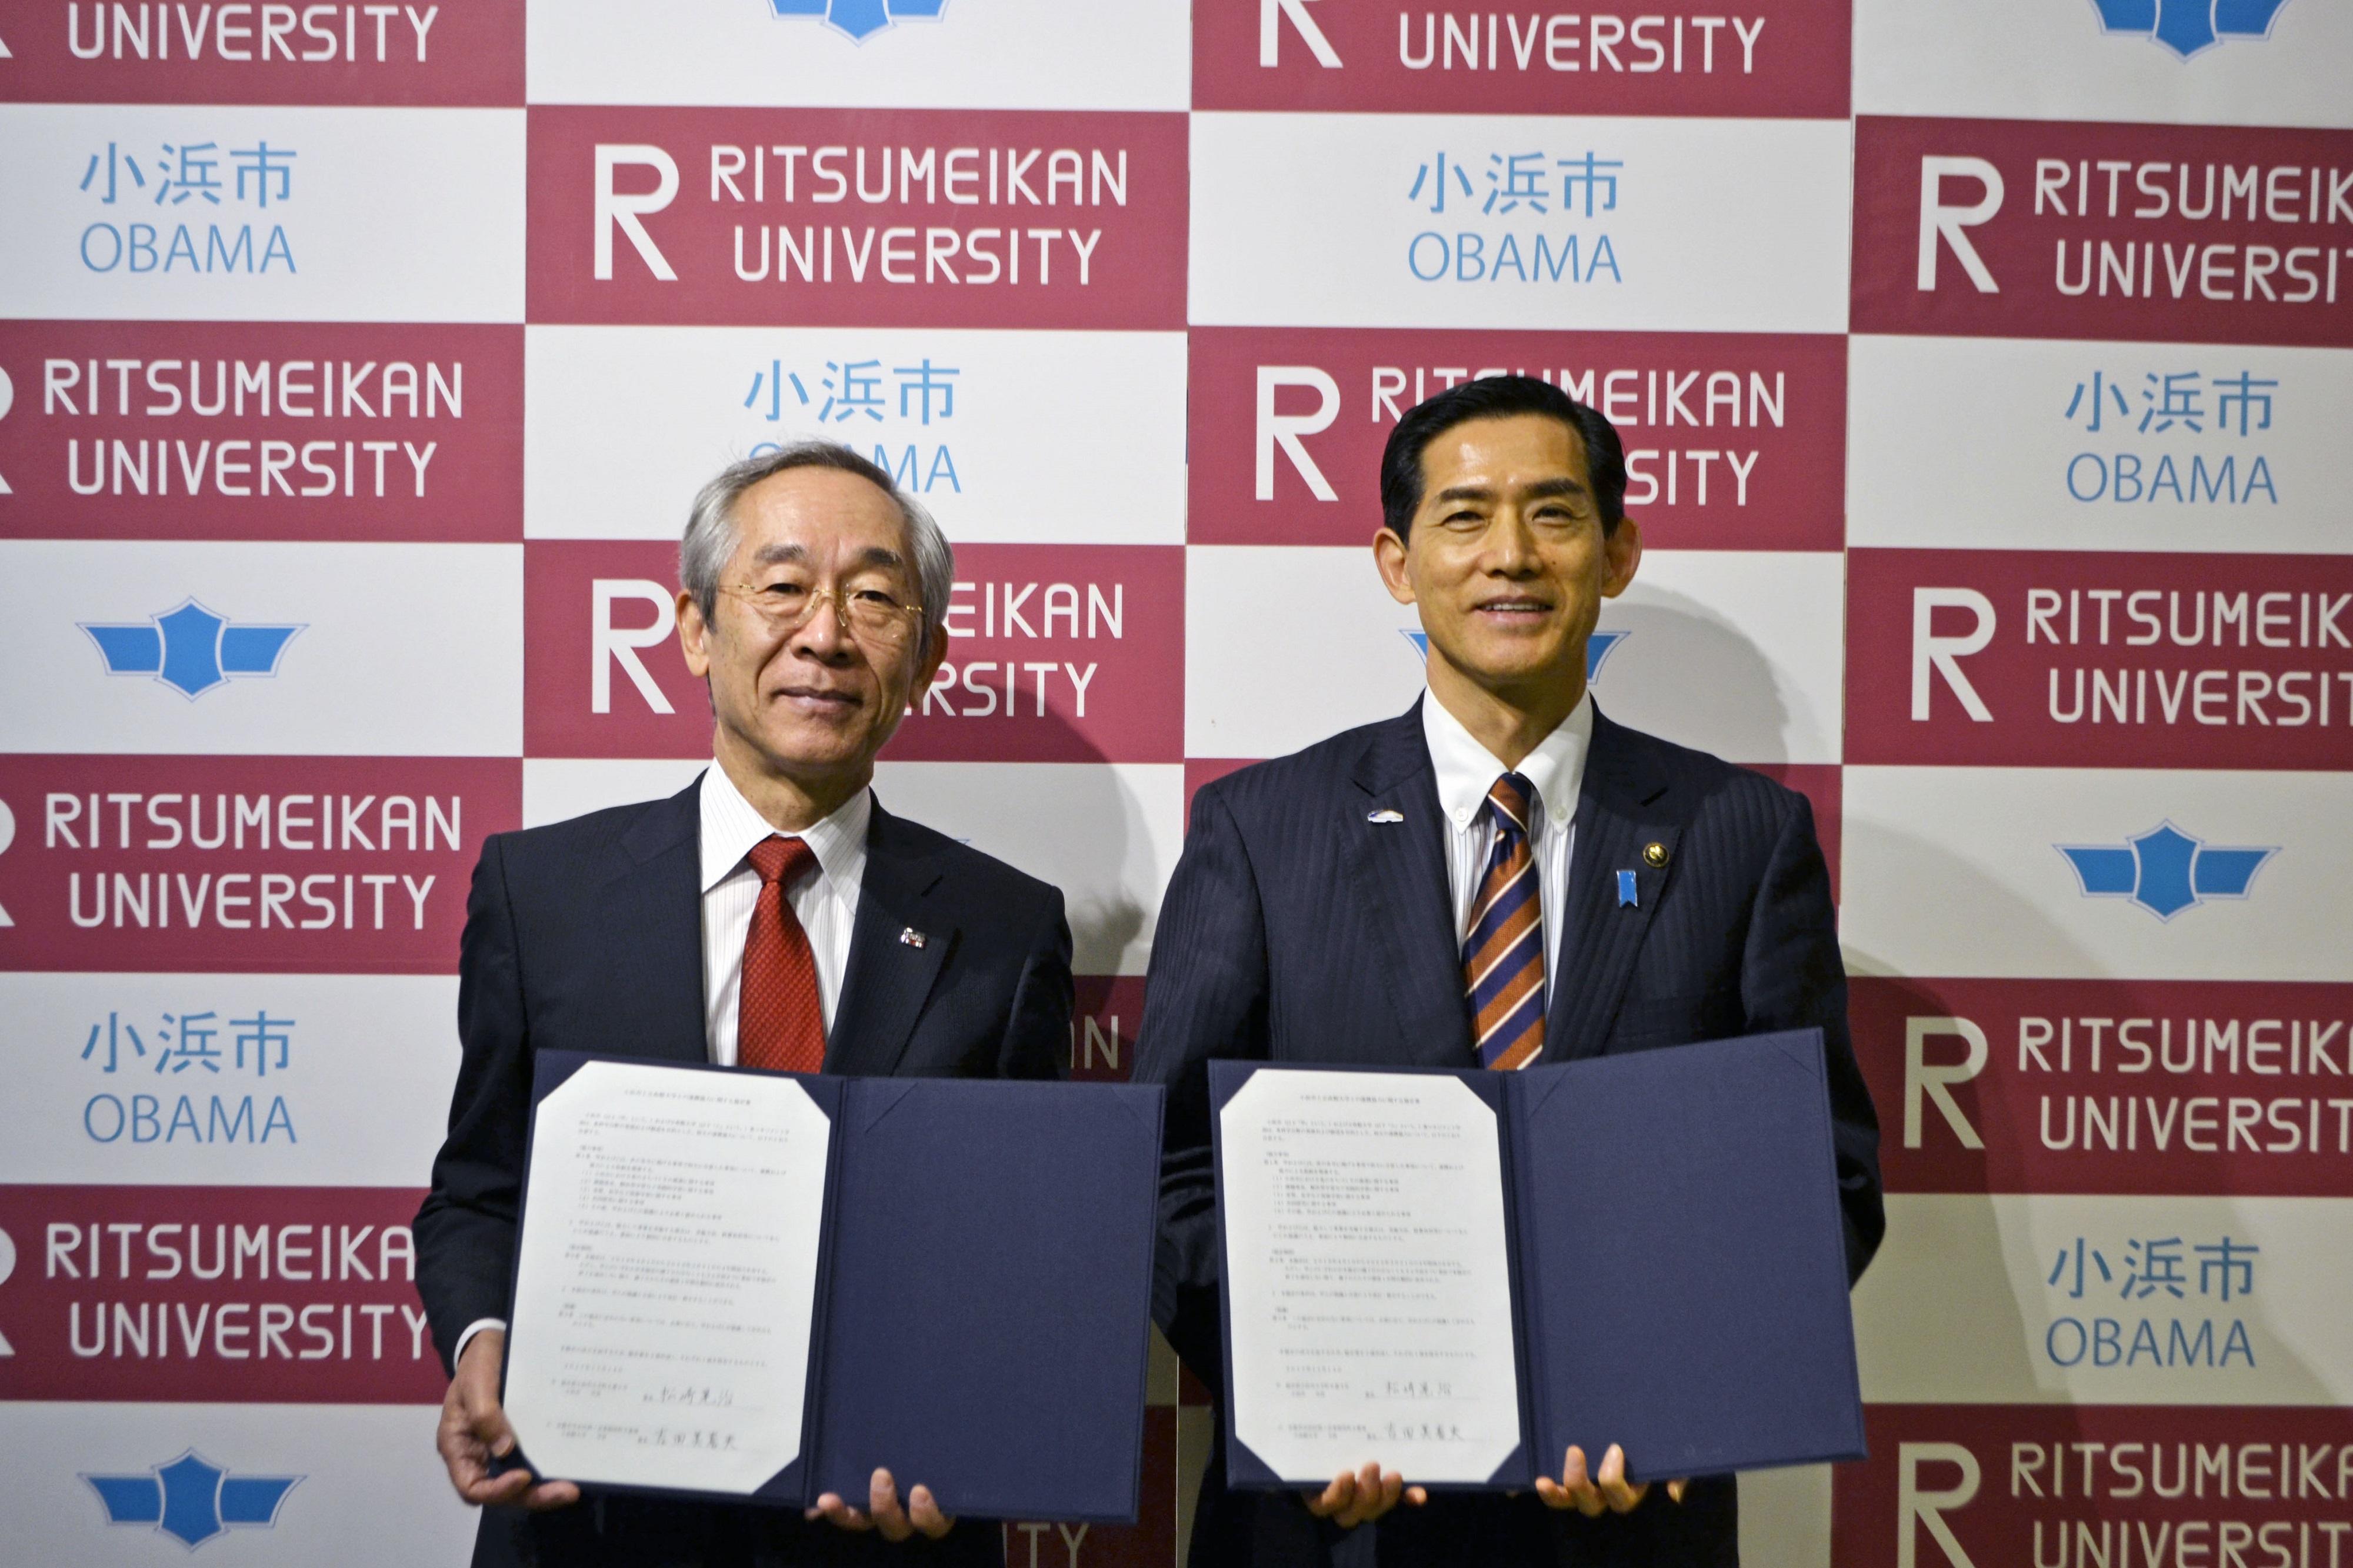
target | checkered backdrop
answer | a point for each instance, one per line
(1983, 368)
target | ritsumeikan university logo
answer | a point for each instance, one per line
(2187, 27)
(2165, 870)
(190, 649)
(191, 1499)
(862, 19)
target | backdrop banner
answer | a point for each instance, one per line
(1984, 372)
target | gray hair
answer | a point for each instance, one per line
(709, 540)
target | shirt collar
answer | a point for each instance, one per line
(1467, 770)
(730, 826)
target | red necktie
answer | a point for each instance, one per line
(779, 1022)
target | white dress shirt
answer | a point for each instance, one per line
(1467, 770)
(825, 899)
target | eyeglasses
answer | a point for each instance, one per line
(871, 615)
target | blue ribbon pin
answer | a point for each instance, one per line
(1626, 894)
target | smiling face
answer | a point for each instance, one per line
(809, 708)
(1508, 563)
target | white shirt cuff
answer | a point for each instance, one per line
(476, 1327)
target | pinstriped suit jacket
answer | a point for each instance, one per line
(1297, 929)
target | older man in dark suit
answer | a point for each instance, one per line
(772, 914)
(1442, 889)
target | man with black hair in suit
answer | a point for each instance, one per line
(1442, 889)
(772, 914)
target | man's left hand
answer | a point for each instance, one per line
(882, 1512)
(1609, 1492)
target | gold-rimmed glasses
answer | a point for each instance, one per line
(872, 613)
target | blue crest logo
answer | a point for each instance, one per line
(191, 1500)
(860, 19)
(190, 649)
(1598, 648)
(2185, 26)
(2165, 870)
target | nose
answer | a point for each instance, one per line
(825, 633)
(1512, 545)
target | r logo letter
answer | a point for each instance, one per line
(609, 644)
(1928, 1508)
(1939, 220)
(1287, 428)
(1270, 33)
(1919, 1077)
(1944, 654)
(612, 207)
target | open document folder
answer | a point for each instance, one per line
(759, 1287)
(1461, 1274)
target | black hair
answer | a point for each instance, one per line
(1497, 397)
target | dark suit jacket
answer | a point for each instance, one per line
(587, 936)
(1297, 931)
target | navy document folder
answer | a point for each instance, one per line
(761, 1287)
(1471, 1271)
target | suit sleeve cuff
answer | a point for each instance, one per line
(476, 1327)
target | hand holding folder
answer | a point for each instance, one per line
(476, 1440)
(883, 1512)
(1360, 1497)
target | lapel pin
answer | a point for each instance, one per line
(1385, 814)
(1654, 855)
(912, 937)
(1626, 896)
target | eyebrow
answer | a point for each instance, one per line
(798, 555)
(1541, 490)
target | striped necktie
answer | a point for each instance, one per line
(1502, 954)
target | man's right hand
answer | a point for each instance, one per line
(474, 1431)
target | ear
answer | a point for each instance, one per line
(1389, 558)
(694, 635)
(1623, 548)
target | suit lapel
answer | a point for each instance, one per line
(1621, 811)
(1400, 870)
(889, 975)
(653, 920)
